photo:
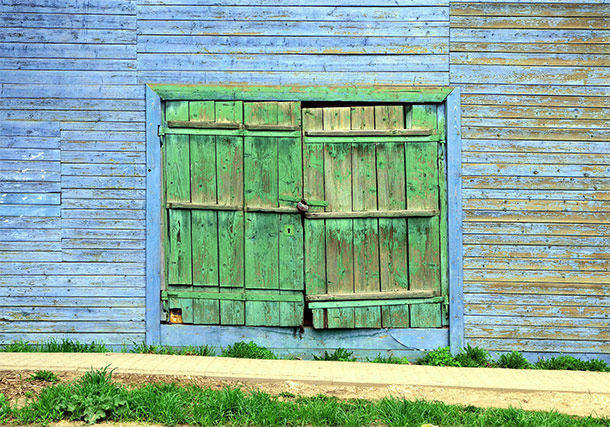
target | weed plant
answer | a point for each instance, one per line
(569, 363)
(473, 357)
(249, 350)
(204, 350)
(53, 346)
(43, 375)
(95, 397)
(440, 357)
(513, 360)
(391, 359)
(340, 354)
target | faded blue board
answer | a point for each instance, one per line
(304, 342)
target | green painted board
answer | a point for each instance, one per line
(179, 260)
(392, 231)
(202, 111)
(203, 169)
(424, 233)
(177, 167)
(365, 231)
(204, 229)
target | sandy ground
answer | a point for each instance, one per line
(14, 385)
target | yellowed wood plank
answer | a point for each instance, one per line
(391, 195)
(339, 232)
(315, 231)
(366, 239)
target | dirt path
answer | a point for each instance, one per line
(14, 386)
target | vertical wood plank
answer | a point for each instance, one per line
(339, 232)
(442, 182)
(422, 193)
(203, 169)
(230, 179)
(261, 183)
(366, 242)
(290, 183)
(205, 265)
(392, 231)
(315, 231)
(202, 111)
(178, 246)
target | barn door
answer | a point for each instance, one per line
(234, 248)
(373, 254)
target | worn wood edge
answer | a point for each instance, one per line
(405, 213)
(375, 303)
(154, 242)
(372, 295)
(371, 132)
(454, 222)
(377, 93)
(233, 296)
(272, 127)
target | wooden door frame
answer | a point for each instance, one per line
(156, 333)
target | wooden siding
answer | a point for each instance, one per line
(536, 125)
(76, 269)
(534, 78)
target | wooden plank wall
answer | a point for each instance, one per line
(294, 41)
(535, 80)
(535, 128)
(73, 62)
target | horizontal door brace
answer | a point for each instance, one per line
(232, 296)
(217, 207)
(420, 293)
(371, 132)
(405, 213)
(352, 139)
(375, 303)
(268, 132)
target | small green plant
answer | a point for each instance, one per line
(43, 375)
(569, 363)
(439, 357)
(389, 359)
(249, 350)
(5, 408)
(473, 357)
(513, 360)
(204, 350)
(340, 354)
(69, 346)
(18, 347)
(28, 394)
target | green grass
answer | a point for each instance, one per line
(249, 350)
(53, 346)
(95, 397)
(391, 359)
(203, 350)
(340, 354)
(468, 357)
(569, 363)
(43, 375)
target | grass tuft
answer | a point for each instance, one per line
(43, 375)
(204, 350)
(249, 350)
(391, 359)
(439, 357)
(514, 360)
(473, 357)
(569, 363)
(53, 346)
(340, 354)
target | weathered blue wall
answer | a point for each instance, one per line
(535, 129)
(535, 79)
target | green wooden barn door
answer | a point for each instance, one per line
(373, 255)
(234, 251)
